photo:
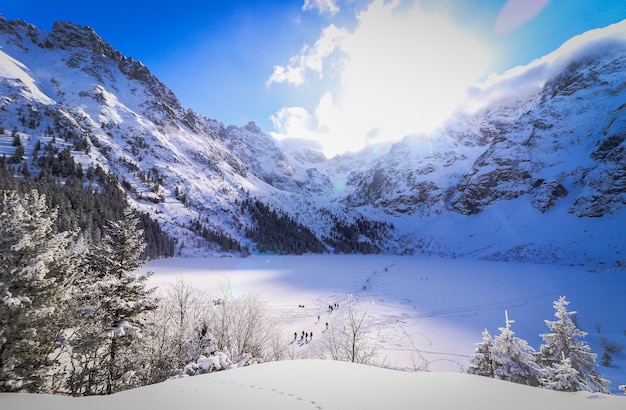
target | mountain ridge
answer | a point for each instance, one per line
(539, 176)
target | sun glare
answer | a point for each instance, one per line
(405, 73)
(402, 72)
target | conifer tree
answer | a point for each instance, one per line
(481, 361)
(513, 358)
(114, 298)
(563, 343)
(35, 270)
(563, 377)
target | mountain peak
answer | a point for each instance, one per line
(253, 128)
(67, 35)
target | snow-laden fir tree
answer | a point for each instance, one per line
(35, 269)
(563, 377)
(113, 300)
(564, 343)
(513, 359)
(480, 360)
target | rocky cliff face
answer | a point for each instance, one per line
(554, 154)
(563, 143)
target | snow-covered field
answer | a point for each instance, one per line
(425, 312)
(324, 384)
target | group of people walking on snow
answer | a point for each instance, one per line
(306, 337)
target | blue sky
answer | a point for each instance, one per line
(343, 73)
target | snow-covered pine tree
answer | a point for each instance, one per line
(513, 358)
(481, 362)
(35, 271)
(114, 298)
(563, 377)
(563, 342)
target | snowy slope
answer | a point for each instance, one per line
(131, 123)
(534, 172)
(318, 384)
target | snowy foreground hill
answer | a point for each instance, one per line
(425, 312)
(535, 174)
(321, 384)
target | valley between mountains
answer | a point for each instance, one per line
(536, 174)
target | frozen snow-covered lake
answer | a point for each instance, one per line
(424, 312)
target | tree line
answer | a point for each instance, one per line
(85, 199)
(275, 232)
(212, 236)
(360, 236)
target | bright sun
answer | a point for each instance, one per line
(405, 73)
(402, 72)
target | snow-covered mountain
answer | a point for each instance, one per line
(537, 172)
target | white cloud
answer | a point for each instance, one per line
(326, 112)
(293, 121)
(296, 126)
(521, 81)
(310, 59)
(322, 6)
(401, 72)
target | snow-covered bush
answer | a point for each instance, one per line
(480, 360)
(348, 339)
(194, 333)
(213, 363)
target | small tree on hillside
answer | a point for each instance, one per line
(513, 358)
(563, 377)
(481, 361)
(562, 344)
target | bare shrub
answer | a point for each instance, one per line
(349, 340)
